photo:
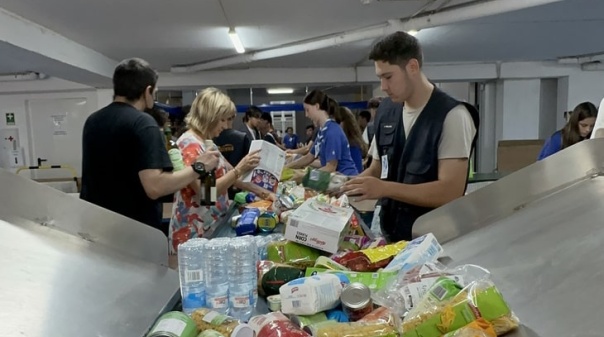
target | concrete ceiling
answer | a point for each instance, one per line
(169, 33)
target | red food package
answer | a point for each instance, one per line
(275, 325)
(357, 261)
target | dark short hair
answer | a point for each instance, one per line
(132, 77)
(366, 115)
(374, 103)
(288, 128)
(267, 117)
(397, 48)
(159, 115)
(312, 127)
(252, 112)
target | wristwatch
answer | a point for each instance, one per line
(200, 169)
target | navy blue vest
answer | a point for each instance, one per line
(412, 160)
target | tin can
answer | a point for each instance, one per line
(267, 222)
(356, 301)
(304, 321)
(174, 324)
(274, 303)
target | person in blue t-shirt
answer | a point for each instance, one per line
(352, 130)
(290, 140)
(578, 128)
(331, 146)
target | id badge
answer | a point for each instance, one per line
(384, 174)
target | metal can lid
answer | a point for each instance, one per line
(355, 295)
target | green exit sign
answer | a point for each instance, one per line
(10, 118)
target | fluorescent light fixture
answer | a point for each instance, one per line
(236, 41)
(413, 32)
(280, 91)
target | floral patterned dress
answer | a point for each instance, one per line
(189, 219)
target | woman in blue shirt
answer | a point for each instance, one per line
(331, 145)
(352, 130)
(578, 128)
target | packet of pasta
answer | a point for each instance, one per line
(480, 299)
(478, 328)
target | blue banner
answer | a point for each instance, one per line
(176, 111)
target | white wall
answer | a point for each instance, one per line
(521, 109)
(18, 105)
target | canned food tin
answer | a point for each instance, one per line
(174, 324)
(267, 222)
(274, 302)
(356, 301)
(286, 201)
(304, 321)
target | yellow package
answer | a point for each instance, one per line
(354, 329)
(478, 328)
(381, 253)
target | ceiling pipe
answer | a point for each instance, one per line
(449, 15)
(582, 59)
(27, 76)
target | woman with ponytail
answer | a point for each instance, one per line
(331, 146)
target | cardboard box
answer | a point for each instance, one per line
(318, 225)
(512, 155)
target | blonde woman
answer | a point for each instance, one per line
(208, 117)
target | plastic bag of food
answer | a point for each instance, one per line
(291, 253)
(423, 249)
(442, 311)
(353, 329)
(478, 328)
(370, 260)
(272, 277)
(206, 319)
(408, 289)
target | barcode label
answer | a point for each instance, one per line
(296, 304)
(439, 292)
(293, 223)
(193, 276)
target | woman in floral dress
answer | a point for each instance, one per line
(209, 116)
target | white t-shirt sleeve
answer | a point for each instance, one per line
(458, 134)
(374, 150)
(365, 136)
(598, 131)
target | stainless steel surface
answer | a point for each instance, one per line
(73, 269)
(547, 260)
(513, 192)
(23, 200)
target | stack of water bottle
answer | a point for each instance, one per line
(219, 274)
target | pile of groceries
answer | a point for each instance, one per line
(323, 276)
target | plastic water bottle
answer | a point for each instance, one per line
(215, 262)
(190, 267)
(243, 277)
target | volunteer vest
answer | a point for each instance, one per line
(412, 159)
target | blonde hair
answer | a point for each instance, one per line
(209, 107)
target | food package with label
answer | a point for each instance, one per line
(292, 253)
(369, 260)
(418, 251)
(382, 315)
(480, 299)
(275, 325)
(353, 329)
(408, 289)
(478, 328)
(246, 225)
(373, 280)
(310, 295)
(271, 276)
(205, 319)
(318, 225)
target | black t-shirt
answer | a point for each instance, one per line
(118, 142)
(270, 138)
(233, 144)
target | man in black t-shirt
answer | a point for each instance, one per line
(125, 165)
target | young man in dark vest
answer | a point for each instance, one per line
(423, 139)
